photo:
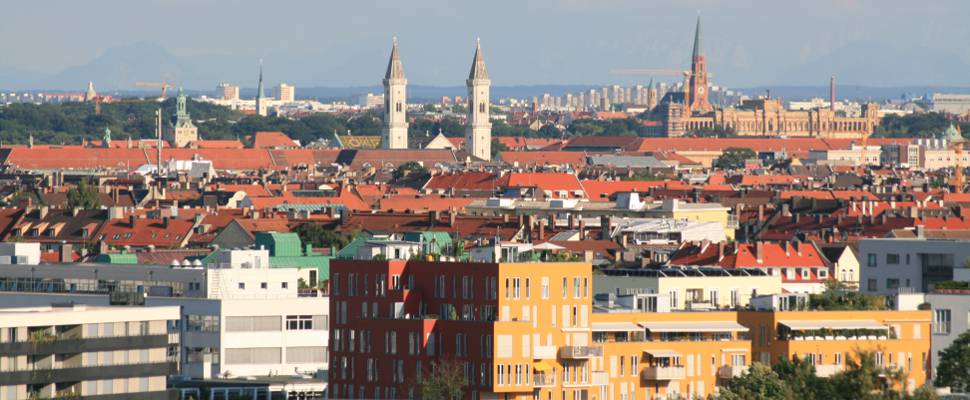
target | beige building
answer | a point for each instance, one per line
(78, 351)
(854, 156)
(227, 92)
(286, 93)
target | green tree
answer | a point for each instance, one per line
(954, 367)
(837, 297)
(497, 147)
(410, 170)
(734, 157)
(760, 382)
(444, 380)
(863, 379)
(645, 175)
(319, 236)
(84, 196)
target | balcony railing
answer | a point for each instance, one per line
(827, 370)
(663, 373)
(580, 352)
(544, 380)
(731, 371)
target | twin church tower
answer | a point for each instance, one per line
(478, 129)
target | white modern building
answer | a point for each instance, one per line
(951, 314)
(76, 351)
(239, 317)
(891, 264)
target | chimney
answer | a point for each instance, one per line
(116, 195)
(451, 218)
(761, 212)
(552, 221)
(605, 228)
(572, 221)
(521, 220)
(787, 246)
(542, 229)
(43, 212)
(165, 222)
(505, 218)
(759, 251)
(254, 214)
(65, 253)
(785, 210)
(582, 229)
(920, 231)
(131, 221)
(432, 217)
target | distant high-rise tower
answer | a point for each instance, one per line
(395, 134)
(183, 131)
(832, 93)
(478, 132)
(697, 82)
(286, 93)
(260, 99)
(90, 94)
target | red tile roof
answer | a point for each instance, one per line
(542, 180)
(272, 140)
(405, 203)
(146, 232)
(469, 180)
(603, 190)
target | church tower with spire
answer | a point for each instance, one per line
(183, 132)
(697, 81)
(395, 133)
(260, 99)
(478, 131)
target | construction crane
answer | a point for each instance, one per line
(163, 85)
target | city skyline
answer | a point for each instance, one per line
(795, 45)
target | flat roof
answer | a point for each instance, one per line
(694, 326)
(616, 327)
(833, 324)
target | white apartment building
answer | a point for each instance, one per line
(951, 314)
(239, 317)
(891, 264)
(75, 351)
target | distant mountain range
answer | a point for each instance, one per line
(863, 70)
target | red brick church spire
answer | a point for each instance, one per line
(697, 91)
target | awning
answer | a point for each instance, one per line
(836, 324)
(697, 326)
(616, 327)
(542, 366)
(662, 353)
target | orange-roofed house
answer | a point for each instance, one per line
(161, 233)
(273, 140)
(802, 267)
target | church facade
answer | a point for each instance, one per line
(680, 113)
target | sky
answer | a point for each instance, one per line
(526, 42)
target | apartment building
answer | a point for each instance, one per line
(897, 339)
(951, 312)
(76, 351)
(891, 264)
(239, 317)
(650, 352)
(511, 326)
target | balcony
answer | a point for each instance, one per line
(544, 352)
(663, 373)
(731, 371)
(580, 352)
(68, 344)
(599, 378)
(543, 380)
(827, 370)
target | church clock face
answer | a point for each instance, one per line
(700, 90)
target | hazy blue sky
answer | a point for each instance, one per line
(343, 43)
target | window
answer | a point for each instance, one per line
(892, 259)
(545, 288)
(892, 283)
(242, 285)
(576, 288)
(515, 288)
(871, 285)
(263, 285)
(941, 321)
(299, 322)
(871, 260)
(284, 285)
(564, 287)
(528, 288)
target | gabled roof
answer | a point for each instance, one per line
(162, 233)
(272, 140)
(463, 181)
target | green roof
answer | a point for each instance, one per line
(117, 258)
(350, 250)
(280, 244)
(434, 242)
(320, 263)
